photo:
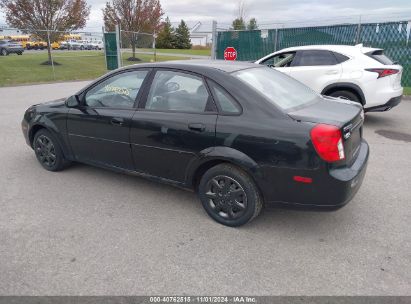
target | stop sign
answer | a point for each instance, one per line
(230, 53)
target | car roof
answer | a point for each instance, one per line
(199, 65)
(337, 48)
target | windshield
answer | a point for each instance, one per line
(280, 89)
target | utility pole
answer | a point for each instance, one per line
(214, 41)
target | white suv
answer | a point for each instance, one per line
(356, 73)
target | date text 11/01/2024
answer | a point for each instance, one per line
(201, 299)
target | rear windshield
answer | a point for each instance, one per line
(280, 89)
(381, 57)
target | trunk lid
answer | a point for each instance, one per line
(346, 115)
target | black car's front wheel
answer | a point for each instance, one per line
(229, 195)
(48, 151)
(4, 52)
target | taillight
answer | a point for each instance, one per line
(328, 142)
(383, 72)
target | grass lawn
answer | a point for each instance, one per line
(147, 58)
(178, 51)
(407, 91)
(75, 65)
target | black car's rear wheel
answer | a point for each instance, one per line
(48, 151)
(229, 195)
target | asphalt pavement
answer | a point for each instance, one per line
(87, 231)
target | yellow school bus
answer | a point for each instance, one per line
(29, 42)
(58, 44)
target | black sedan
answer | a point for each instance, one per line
(239, 134)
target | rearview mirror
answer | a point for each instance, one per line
(73, 101)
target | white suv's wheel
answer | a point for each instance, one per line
(345, 95)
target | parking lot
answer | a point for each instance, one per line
(90, 231)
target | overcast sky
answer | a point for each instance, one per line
(268, 11)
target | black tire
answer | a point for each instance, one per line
(20, 53)
(48, 151)
(82, 48)
(345, 95)
(4, 52)
(229, 195)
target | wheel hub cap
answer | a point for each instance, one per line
(226, 197)
(45, 150)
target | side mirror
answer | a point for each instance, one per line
(73, 101)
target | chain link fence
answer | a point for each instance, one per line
(137, 47)
(71, 56)
(79, 55)
(393, 37)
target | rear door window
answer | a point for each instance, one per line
(314, 58)
(227, 104)
(178, 91)
(340, 57)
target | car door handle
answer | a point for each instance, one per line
(117, 121)
(331, 72)
(198, 127)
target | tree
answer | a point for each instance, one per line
(133, 16)
(252, 24)
(166, 36)
(238, 24)
(47, 19)
(182, 39)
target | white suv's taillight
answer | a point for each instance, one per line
(383, 72)
(328, 142)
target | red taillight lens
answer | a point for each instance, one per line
(383, 72)
(327, 141)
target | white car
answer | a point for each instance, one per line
(76, 44)
(357, 73)
(94, 45)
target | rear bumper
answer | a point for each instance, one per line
(395, 101)
(329, 190)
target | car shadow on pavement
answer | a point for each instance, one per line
(167, 196)
(378, 120)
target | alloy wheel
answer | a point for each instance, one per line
(45, 151)
(226, 197)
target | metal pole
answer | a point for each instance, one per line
(104, 44)
(276, 39)
(358, 36)
(118, 32)
(154, 47)
(51, 55)
(214, 41)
